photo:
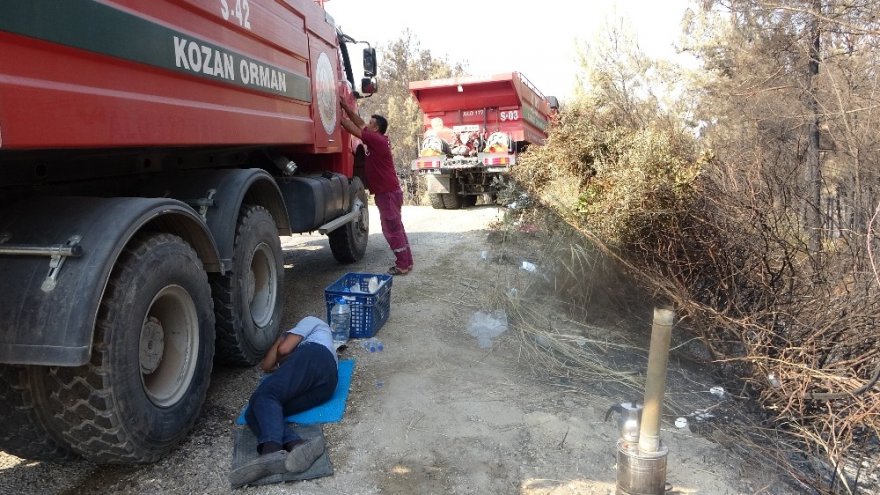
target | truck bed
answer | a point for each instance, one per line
(505, 102)
(126, 73)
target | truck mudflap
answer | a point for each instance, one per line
(56, 256)
(438, 184)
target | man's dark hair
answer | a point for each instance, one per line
(382, 122)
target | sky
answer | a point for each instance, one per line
(536, 38)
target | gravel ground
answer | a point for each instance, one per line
(433, 413)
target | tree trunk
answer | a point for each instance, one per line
(814, 184)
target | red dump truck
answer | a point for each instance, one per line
(151, 153)
(475, 127)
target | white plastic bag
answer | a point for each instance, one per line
(486, 325)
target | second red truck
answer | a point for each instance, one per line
(475, 127)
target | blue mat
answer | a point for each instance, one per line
(328, 412)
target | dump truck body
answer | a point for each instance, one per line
(138, 74)
(151, 153)
(475, 128)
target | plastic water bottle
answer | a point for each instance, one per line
(340, 321)
(373, 344)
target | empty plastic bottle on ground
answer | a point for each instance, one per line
(340, 321)
(373, 345)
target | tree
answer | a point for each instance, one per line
(616, 75)
(400, 62)
(764, 86)
(795, 173)
(731, 234)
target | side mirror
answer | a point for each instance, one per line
(370, 62)
(554, 102)
(368, 86)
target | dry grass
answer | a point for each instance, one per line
(586, 320)
(798, 331)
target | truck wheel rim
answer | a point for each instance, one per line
(261, 286)
(362, 223)
(168, 345)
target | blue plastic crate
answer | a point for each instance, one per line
(369, 310)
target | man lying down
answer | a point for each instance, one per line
(302, 363)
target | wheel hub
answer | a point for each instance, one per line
(169, 346)
(362, 222)
(152, 345)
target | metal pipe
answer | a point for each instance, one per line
(338, 222)
(655, 385)
(34, 250)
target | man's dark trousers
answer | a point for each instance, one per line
(305, 379)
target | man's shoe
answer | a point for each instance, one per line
(396, 270)
(304, 454)
(265, 465)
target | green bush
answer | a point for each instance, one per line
(618, 181)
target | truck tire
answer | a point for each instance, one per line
(247, 301)
(452, 201)
(436, 201)
(349, 242)
(22, 431)
(153, 350)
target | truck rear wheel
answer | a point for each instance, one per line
(145, 384)
(452, 201)
(436, 201)
(349, 242)
(22, 431)
(247, 302)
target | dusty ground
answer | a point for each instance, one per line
(434, 412)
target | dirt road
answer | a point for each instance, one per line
(433, 413)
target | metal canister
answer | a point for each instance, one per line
(640, 473)
(628, 422)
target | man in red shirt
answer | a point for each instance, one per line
(382, 181)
